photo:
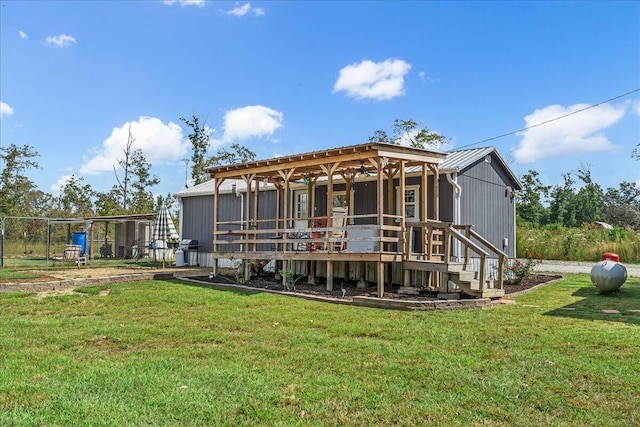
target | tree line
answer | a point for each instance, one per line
(578, 200)
(563, 204)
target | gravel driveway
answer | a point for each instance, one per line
(547, 266)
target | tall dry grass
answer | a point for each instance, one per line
(578, 244)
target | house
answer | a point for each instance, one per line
(371, 213)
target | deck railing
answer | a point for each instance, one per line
(315, 234)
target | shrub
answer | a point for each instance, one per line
(516, 270)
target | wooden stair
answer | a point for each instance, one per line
(436, 254)
(467, 282)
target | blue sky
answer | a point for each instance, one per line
(289, 77)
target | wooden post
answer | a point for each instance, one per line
(424, 214)
(380, 279)
(436, 191)
(329, 275)
(402, 235)
(247, 210)
(256, 217)
(277, 216)
(482, 273)
(380, 204)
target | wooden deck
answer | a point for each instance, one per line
(388, 245)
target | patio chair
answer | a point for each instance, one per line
(106, 251)
(338, 229)
(72, 254)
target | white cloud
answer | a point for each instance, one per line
(426, 79)
(160, 143)
(576, 134)
(5, 109)
(60, 41)
(375, 80)
(252, 121)
(245, 9)
(23, 35)
(197, 3)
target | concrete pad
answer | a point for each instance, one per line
(611, 311)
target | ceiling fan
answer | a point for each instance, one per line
(362, 170)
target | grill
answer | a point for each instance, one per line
(191, 250)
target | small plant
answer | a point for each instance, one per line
(289, 279)
(241, 276)
(516, 270)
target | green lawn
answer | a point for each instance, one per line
(170, 353)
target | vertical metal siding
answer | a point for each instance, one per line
(197, 220)
(486, 204)
(446, 199)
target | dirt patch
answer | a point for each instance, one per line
(55, 293)
(39, 278)
(75, 273)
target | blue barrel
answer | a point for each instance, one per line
(80, 238)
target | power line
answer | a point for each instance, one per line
(550, 120)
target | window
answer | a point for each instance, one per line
(301, 204)
(411, 202)
(339, 199)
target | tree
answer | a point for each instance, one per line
(133, 190)
(622, 205)
(76, 198)
(125, 164)
(237, 154)
(588, 200)
(200, 137)
(561, 206)
(142, 197)
(529, 206)
(108, 203)
(15, 186)
(409, 132)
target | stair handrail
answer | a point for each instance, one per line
(502, 256)
(453, 230)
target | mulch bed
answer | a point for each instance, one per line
(267, 281)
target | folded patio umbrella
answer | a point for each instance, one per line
(163, 228)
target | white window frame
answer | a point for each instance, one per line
(415, 203)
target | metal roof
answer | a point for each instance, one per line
(460, 159)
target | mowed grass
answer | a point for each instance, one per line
(174, 354)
